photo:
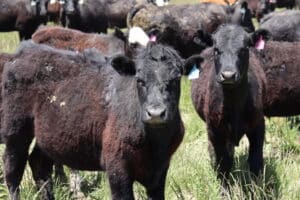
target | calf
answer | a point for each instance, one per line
(239, 86)
(229, 96)
(120, 116)
(283, 25)
(23, 16)
(185, 27)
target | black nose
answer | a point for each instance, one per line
(156, 113)
(228, 75)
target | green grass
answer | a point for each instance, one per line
(191, 176)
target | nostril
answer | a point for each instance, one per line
(149, 113)
(163, 113)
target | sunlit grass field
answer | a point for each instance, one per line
(191, 176)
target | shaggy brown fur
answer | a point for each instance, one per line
(86, 115)
(64, 38)
(4, 58)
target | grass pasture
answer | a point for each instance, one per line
(191, 176)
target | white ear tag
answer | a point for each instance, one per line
(33, 3)
(243, 10)
(138, 35)
(52, 1)
(260, 44)
(81, 2)
(194, 73)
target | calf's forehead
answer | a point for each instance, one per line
(231, 38)
(158, 70)
(159, 62)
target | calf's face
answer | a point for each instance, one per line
(157, 71)
(231, 52)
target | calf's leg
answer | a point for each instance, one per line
(17, 139)
(223, 152)
(157, 192)
(120, 184)
(256, 139)
(41, 167)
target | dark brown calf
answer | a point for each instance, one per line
(239, 86)
(120, 116)
(229, 95)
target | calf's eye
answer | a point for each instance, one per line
(141, 83)
(217, 52)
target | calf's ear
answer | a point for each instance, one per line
(191, 63)
(258, 35)
(123, 65)
(244, 5)
(119, 34)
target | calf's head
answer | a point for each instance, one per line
(231, 52)
(157, 70)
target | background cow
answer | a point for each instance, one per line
(22, 15)
(284, 25)
(98, 15)
(185, 27)
(68, 39)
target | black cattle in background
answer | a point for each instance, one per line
(268, 6)
(185, 27)
(283, 25)
(98, 15)
(23, 16)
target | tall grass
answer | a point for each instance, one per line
(191, 176)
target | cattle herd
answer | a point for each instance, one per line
(109, 101)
